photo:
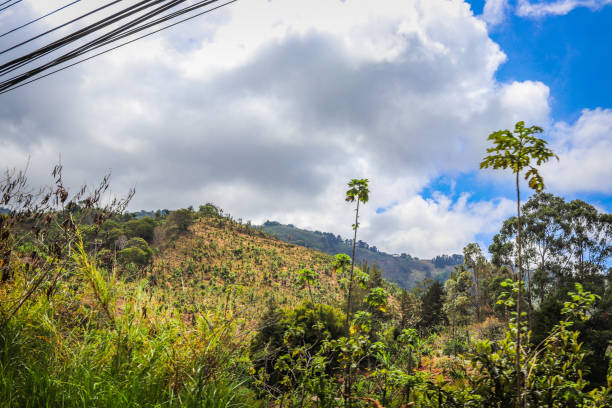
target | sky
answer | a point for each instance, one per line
(268, 108)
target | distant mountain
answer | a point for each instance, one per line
(402, 269)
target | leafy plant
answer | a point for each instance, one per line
(515, 151)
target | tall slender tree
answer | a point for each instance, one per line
(358, 192)
(473, 259)
(516, 151)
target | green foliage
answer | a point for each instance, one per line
(433, 301)
(457, 304)
(341, 262)
(307, 278)
(142, 228)
(358, 191)
(210, 210)
(181, 219)
(564, 243)
(290, 333)
(377, 299)
(137, 251)
(515, 151)
(553, 370)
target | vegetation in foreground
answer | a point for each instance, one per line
(191, 308)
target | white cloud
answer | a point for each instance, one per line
(429, 225)
(494, 11)
(268, 108)
(525, 8)
(585, 151)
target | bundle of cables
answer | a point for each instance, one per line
(101, 35)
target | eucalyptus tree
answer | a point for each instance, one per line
(358, 192)
(515, 151)
(474, 259)
(457, 303)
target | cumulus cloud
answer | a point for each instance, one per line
(268, 108)
(526, 8)
(584, 149)
(420, 223)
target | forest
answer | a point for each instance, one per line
(100, 307)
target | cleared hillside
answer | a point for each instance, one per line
(219, 261)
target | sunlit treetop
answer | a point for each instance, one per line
(358, 190)
(517, 151)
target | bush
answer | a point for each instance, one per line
(209, 211)
(137, 251)
(182, 219)
(142, 228)
(455, 346)
(281, 330)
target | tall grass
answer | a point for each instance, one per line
(98, 342)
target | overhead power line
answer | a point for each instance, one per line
(26, 59)
(81, 32)
(39, 18)
(61, 26)
(10, 5)
(20, 80)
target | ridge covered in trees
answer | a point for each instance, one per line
(403, 269)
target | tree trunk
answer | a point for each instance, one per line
(518, 296)
(348, 383)
(477, 292)
(529, 301)
(350, 288)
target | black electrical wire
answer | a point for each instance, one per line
(39, 18)
(16, 63)
(167, 17)
(105, 39)
(10, 5)
(116, 47)
(86, 47)
(60, 26)
(7, 1)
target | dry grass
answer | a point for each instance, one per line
(221, 265)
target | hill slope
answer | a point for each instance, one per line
(221, 261)
(403, 269)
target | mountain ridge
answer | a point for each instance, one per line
(403, 269)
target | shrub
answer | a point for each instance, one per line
(181, 219)
(306, 325)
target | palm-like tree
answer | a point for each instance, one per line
(515, 151)
(359, 192)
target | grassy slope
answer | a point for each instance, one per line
(187, 320)
(219, 261)
(404, 270)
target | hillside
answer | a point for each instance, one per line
(193, 309)
(218, 259)
(402, 269)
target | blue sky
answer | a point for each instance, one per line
(572, 55)
(267, 108)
